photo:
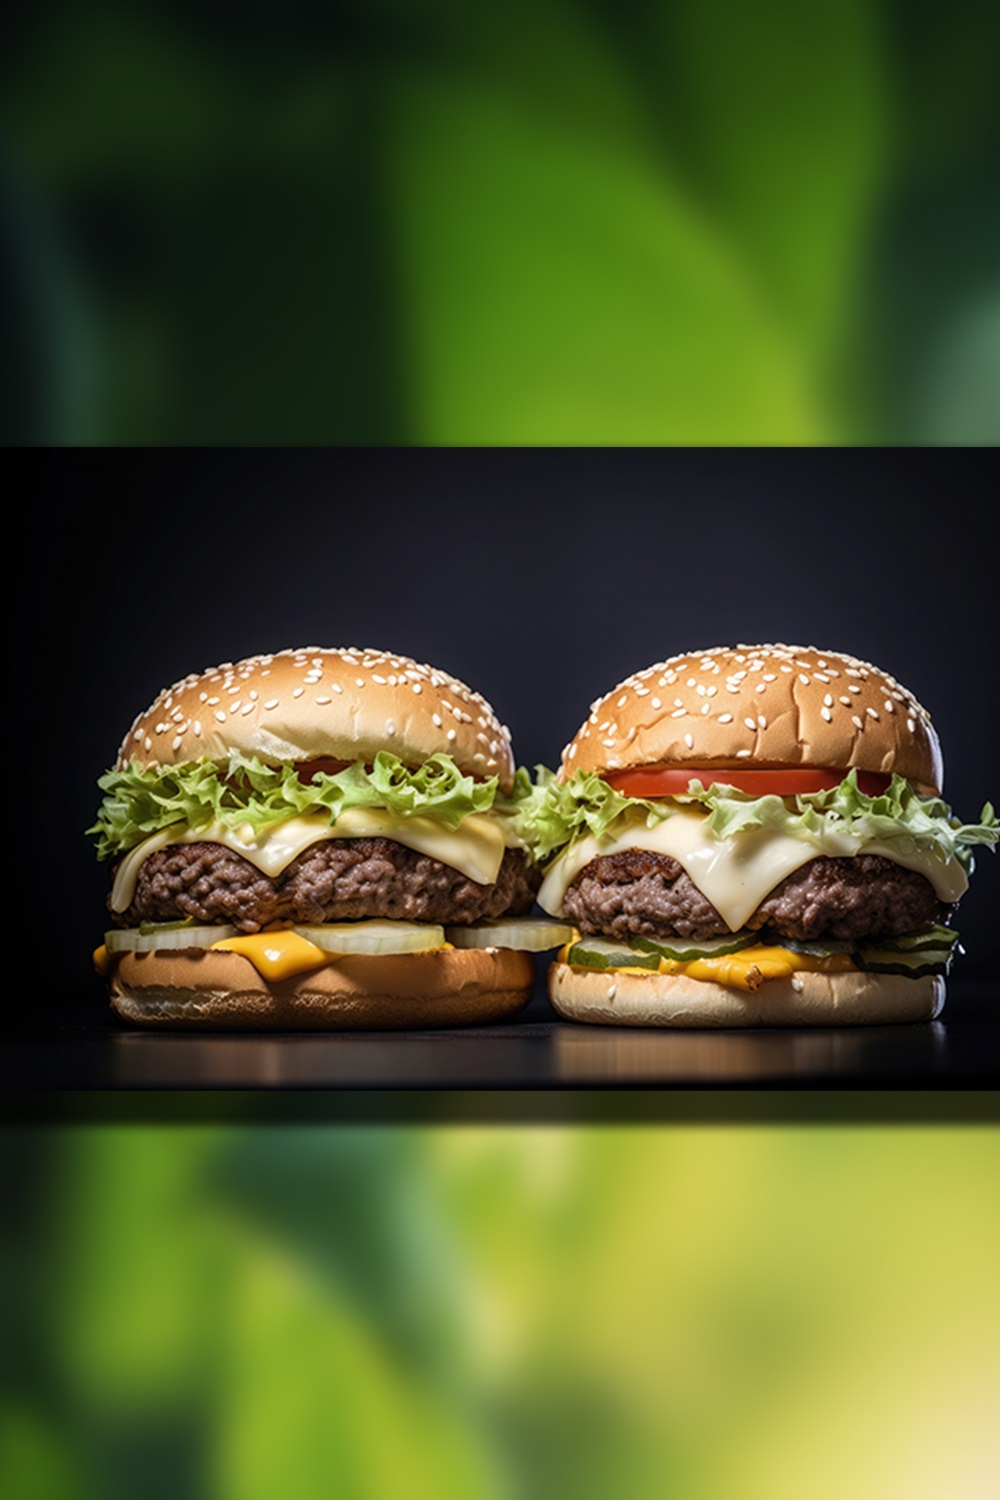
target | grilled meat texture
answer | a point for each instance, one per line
(639, 892)
(335, 880)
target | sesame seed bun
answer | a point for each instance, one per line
(804, 999)
(298, 705)
(772, 705)
(206, 989)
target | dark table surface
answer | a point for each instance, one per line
(75, 1046)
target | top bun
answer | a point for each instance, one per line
(341, 702)
(763, 706)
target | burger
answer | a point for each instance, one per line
(754, 836)
(318, 838)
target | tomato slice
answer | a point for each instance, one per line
(323, 765)
(781, 781)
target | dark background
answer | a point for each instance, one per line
(540, 576)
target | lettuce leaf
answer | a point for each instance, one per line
(839, 821)
(142, 800)
(560, 811)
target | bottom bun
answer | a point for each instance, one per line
(803, 999)
(223, 990)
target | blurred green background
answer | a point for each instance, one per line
(520, 1311)
(615, 221)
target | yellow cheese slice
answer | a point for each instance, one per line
(276, 955)
(746, 970)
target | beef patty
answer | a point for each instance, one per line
(867, 896)
(335, 880)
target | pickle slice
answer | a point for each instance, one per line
(153, 937)
(685, 949)
(529, 934)
(815, 947)
(374, 937)
(932, 938)
(599, 953)
(916, 964)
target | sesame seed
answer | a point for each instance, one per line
(826, 714)
(750, 723)
(725, 718)
(689, 741)
(437, 720)
(856, 722)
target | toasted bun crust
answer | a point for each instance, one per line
(760, 705)
(804, 999)
(342, 702)
(223, 991)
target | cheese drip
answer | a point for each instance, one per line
(476, 847)
(734, 873)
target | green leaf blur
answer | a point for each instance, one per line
(601, 223)
(516, 1311)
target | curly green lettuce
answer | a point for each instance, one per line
(143, 800)
(840, 820)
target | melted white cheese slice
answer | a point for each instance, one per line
(476, 847)
(734, 873)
